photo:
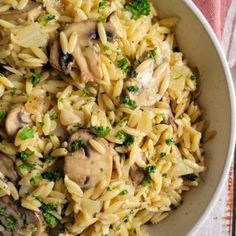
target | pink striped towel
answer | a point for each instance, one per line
(221, 14)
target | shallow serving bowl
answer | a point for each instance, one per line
(201, 48)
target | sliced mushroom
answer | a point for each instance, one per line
(20, 218)
(86, 166)
(86, 53)
(16, 119)
(149, 83)
(136, 174)
(7, 168)
(22, 14)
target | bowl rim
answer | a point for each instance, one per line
(230, 85)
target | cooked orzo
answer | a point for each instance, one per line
(100, 129)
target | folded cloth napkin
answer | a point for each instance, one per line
(221, 14)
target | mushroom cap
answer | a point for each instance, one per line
(16, 119)
(22, 216)
(87, 167)
(136, 174)
(86, 54)
(7, 168)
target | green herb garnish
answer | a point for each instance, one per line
(47, 19)
(134, 74)
(2, 210)
(105, 48)
(129, 140)
(138, 8)
(146, 181)
(53, 116)
(123, 64)
(52, 176)
(164, 175)
(26, 133)
(152, 54)
(193, 77)
(11, 222)
(162, 154)
(35, 179)
(109, 189)
(129, 102)
(35, 79)
(2, 115)
(85, 93)
(102, 4)
(101, 131)
(133, 88)
(124, 192)
(24, 155)
(121, 135)
(169, 141)
(151, 169)
(26, 166)
(76, 145)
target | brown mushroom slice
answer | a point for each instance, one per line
(150, 84)
(86, 53)
(136, 174)
(7, 168)
(86, 166)
(21, 14)
(17, 118)
(20, 218)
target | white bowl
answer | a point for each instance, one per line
(200, 46)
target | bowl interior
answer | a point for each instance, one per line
(201, 52)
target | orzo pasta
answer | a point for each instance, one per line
(100, 129)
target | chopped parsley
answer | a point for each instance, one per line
(109, 189)
(129, 102)
(133, 88)
(26, 133)
(152, 54)
(193, 77)
(85, 93)
(24, 155)
(124, 64)
(105, 48)
(102, 4)
(129, 140)
(169, 141)
(2, 210)
(126, 139)
(146, 181)
(121, 135)
(151, 169)
(124, 192)
(2, 115)
(164, 175)
(35, 79)
(52, 176)
(26, 166)
(102, 19)
(76, 145)
(138, 8)
(47, 19)
(49, 219)
(162, 154)
(11, 222)
(101, 131)
(53, 116)
(13, 92)
(134, 74)
(35, 179)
